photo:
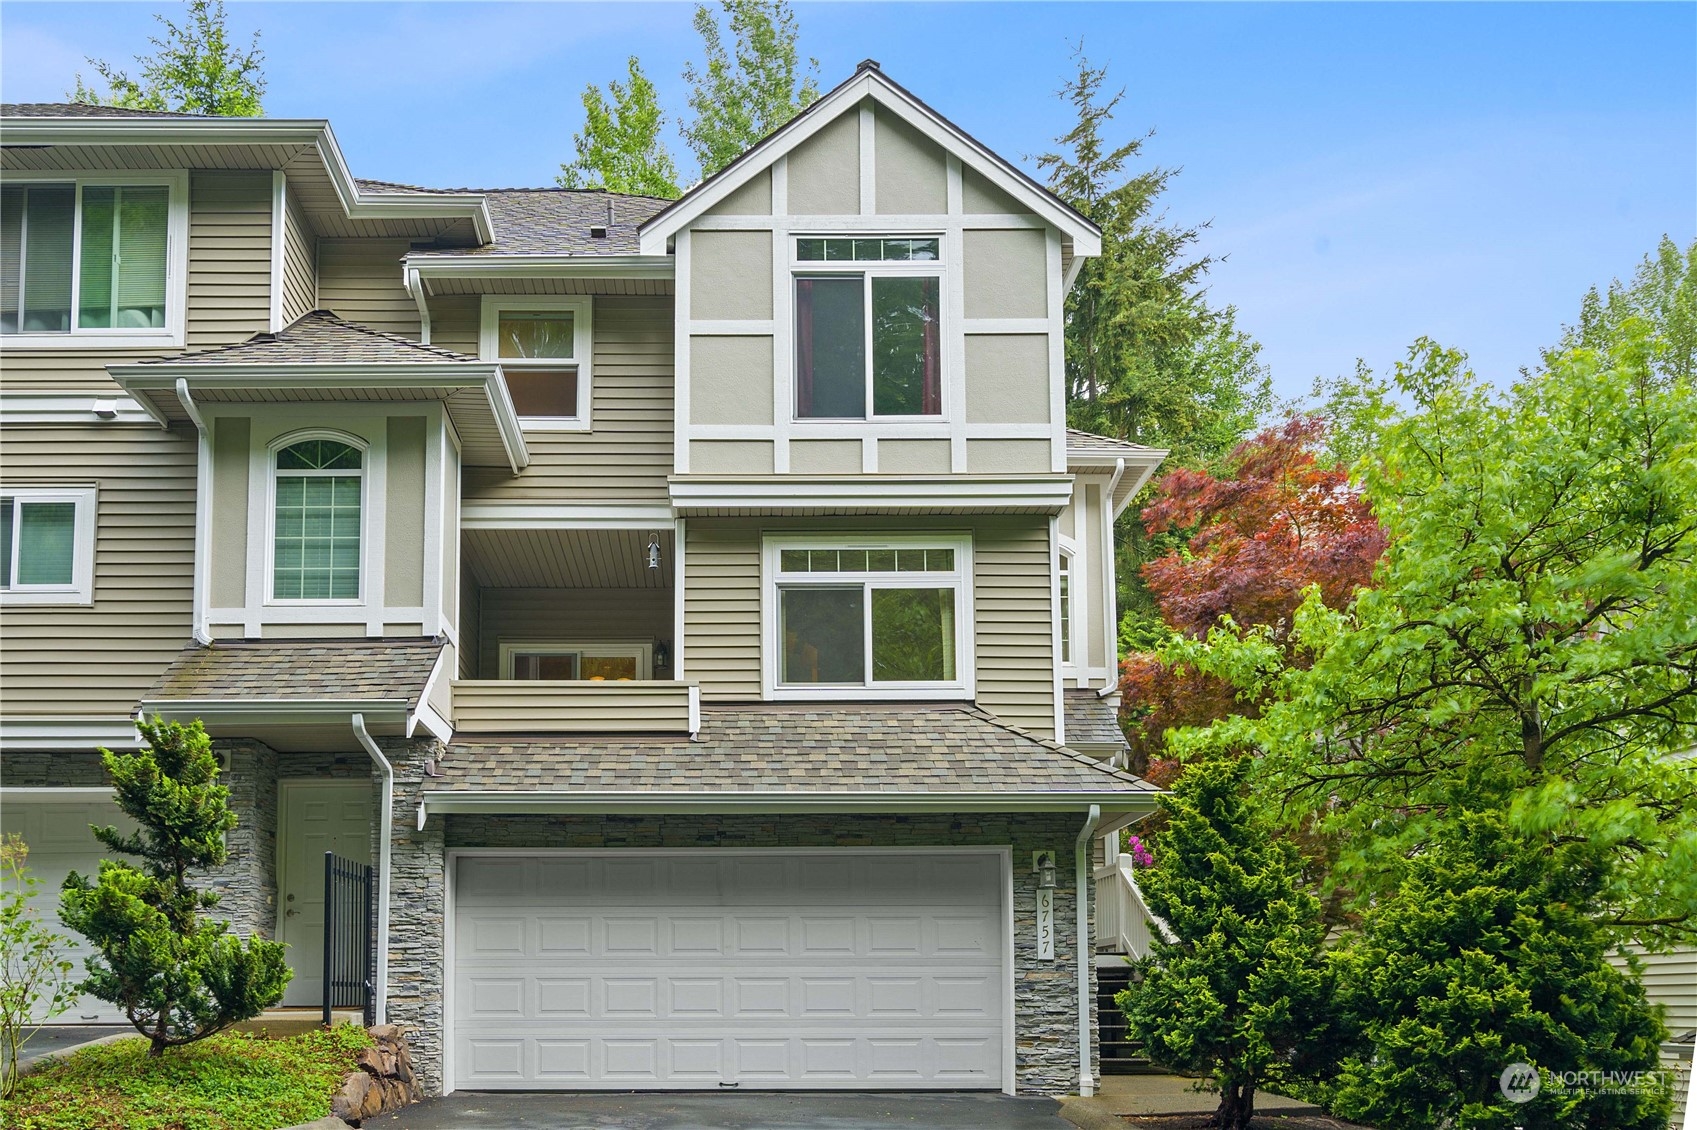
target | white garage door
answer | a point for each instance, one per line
(765, 970)
(60, 842)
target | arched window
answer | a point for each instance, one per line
(315, 545)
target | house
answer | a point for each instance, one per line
(696, 611)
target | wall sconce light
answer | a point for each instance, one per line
(1046, 871)
(662, 653)
(1043, 863)
(653, 551)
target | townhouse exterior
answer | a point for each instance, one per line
(697, 611)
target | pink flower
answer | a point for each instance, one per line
(1139, 853)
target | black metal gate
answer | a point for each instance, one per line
(350, 944)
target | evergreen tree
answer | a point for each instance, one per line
(620, 149)
(195, 69)
(1242, 995)
(1488, 954)
(743, 93)
(177, 976)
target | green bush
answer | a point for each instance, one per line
(231, 1081)
(1488, 953)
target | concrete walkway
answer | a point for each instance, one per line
(1176, 1094)
(55, 1039)
(488, 1110)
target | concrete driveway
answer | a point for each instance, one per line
(787, 1110)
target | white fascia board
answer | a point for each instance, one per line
(541, 801)
(50, 408)
(68, 733)
(315, 132)
(1086, 237)
(281, 712)
(562, 516)
(434, 265)
(1037, 493)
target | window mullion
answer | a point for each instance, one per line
(871, 363)
(76, 260)
(23, 257)
(866, 609)
(117, 259)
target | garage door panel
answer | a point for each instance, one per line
(627, 973)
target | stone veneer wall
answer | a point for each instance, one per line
(1045, 992)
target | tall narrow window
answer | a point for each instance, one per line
(868, 616)
(316, 543)
(868, 341)
(1064, 575)
(117, 280)
(47, 545)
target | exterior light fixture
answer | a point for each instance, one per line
(1043, 863)
(1046, 872)
(662, 653)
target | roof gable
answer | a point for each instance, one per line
(869, 81)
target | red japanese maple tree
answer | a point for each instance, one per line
(1276, 521)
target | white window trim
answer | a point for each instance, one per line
(964, 685)
(643, 653)
(81, 589)
(367, 528)
(1066, 565)
(582, 308)
(869, 269)
(176, 265)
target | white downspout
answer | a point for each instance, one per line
(1082, 875)
(202, 512)
(385, 829)
(415, 287)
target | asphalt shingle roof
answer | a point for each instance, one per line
(550, 221)
(81, 110)
(802, 748)
(1089, 443)
(1091, 719)
(386, 670)
(318, 337)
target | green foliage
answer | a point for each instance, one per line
(743, 93)
(35, 976)
(620, 149)
(177, 977)
(1530, 644)
(195, 69)
(1241, 996)
(1488, 954)
(1662, 295)
(232, 1081)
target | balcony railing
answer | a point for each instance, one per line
(1123, 922)
(519, 706)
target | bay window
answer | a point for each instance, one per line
(868, 327)
(47, 545)
(543, 345)
(90, 257)
(868, 618)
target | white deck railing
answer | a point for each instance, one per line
(1123, 921)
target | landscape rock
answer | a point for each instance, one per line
(384, 1082)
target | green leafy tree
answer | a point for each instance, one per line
(178, 977)
(1663, 295)
(195, 69)
(1528, 644)
(620, 149)
(1487, 954)
(35, 973)
(1241, 996)
(743, 92)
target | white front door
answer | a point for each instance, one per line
(57, 834)
(315, 817)
(650, 970)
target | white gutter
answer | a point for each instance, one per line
(768, 801)
(1081, 876)
(385, 831)
(436, 265)
(409, 276)
(202, 512)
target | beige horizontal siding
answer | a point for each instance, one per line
(360, 280)
(229, 288)
(1011, 580)
(1670, 980)
(628, 454)
(300, 262)
(97, 661)
(523, 707)
(536, 615)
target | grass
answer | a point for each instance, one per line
(232, 1081)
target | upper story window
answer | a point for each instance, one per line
(868, 327)
(1064, 582)
(868, 618)
(544, 346)
(316, 531)
(47, 545)
(91, 259)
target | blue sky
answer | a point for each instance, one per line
(1371, 172)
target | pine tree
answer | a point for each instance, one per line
(195, 69)
(620, 149)
(1242, 996)
(178, 977)
(742, 94)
